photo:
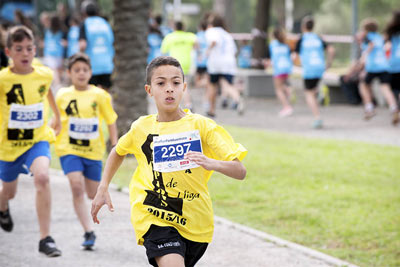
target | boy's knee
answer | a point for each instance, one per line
(77, 189)
(41, 180)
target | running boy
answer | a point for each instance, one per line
(80, 145)
(279, 55)
(25, 135)
(311, 49)
(177, 151)
(376, 66)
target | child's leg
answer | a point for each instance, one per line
(311, 99)
(91, 188)
(170, 260)
(281, 92)
(389, 96)
(365, 92)
(7, 192)
(229, 90)
(212, 97)
(76, 181)
(40, 170)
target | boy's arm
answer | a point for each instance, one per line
(330, 50)
(102, 196)
(55, 122)
(113, 133)
(234, 168)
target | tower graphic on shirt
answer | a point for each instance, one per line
(72, 111)
(158, 197)
(16, 96)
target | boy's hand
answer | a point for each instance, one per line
(55, 123)
(200, 159)
(102, 197)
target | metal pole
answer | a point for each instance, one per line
(177, 10)
(354, 28)
(289, 15)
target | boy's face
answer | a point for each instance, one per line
(167, 88)
(80, 74)
(22, 54)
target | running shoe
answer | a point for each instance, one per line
(224, 103)
(369, 114)
(5, 220)
(317, 124)
(48, 247)
(285, 112)
(88, 243)
(395, 117)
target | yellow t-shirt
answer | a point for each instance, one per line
(24, 109)
(180, 198)
(82, 114)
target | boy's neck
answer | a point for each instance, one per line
(82, 88)
(173, 116)
(22, 71)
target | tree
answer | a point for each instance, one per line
(260, 31)
(130, 43)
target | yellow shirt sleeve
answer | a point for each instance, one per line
(106, 109)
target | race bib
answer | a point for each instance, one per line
(85, 129)
(26, 116)
(169, 150)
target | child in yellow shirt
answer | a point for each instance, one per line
(177, 151)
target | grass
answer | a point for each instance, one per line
(339, 197)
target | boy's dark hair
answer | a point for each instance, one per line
(89, 8)
(82, 57)
(279, 34)
(370, 25)
(216, 20)
(393, 28)
(179, 26)
(158, 19)
(17, 34)
(161, 61)
(308, 23)
(55, 23)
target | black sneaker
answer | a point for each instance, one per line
(88, 244)
(48, 247)
(5, 220)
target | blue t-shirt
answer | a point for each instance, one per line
(280, 57)
(376, 60)
(244, 57)
(154, 41)
(53, 44)
(311, 49)
(201, 57)
(394, 60)
(73, 41)
(99, 38)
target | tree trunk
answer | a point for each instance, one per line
(259, 32)
(130, 43)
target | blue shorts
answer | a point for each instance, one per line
(9, 170)
(91, 169)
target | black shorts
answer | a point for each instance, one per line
(395, 81)
(160, 241)
(311, 84)
(384, 77)
(214, 78)
(102, 80)
(201, 70)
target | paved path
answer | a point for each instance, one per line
(115, 244)
(233, 245)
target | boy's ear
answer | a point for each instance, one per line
(7, 52)
(184, 86)
(148, 89)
